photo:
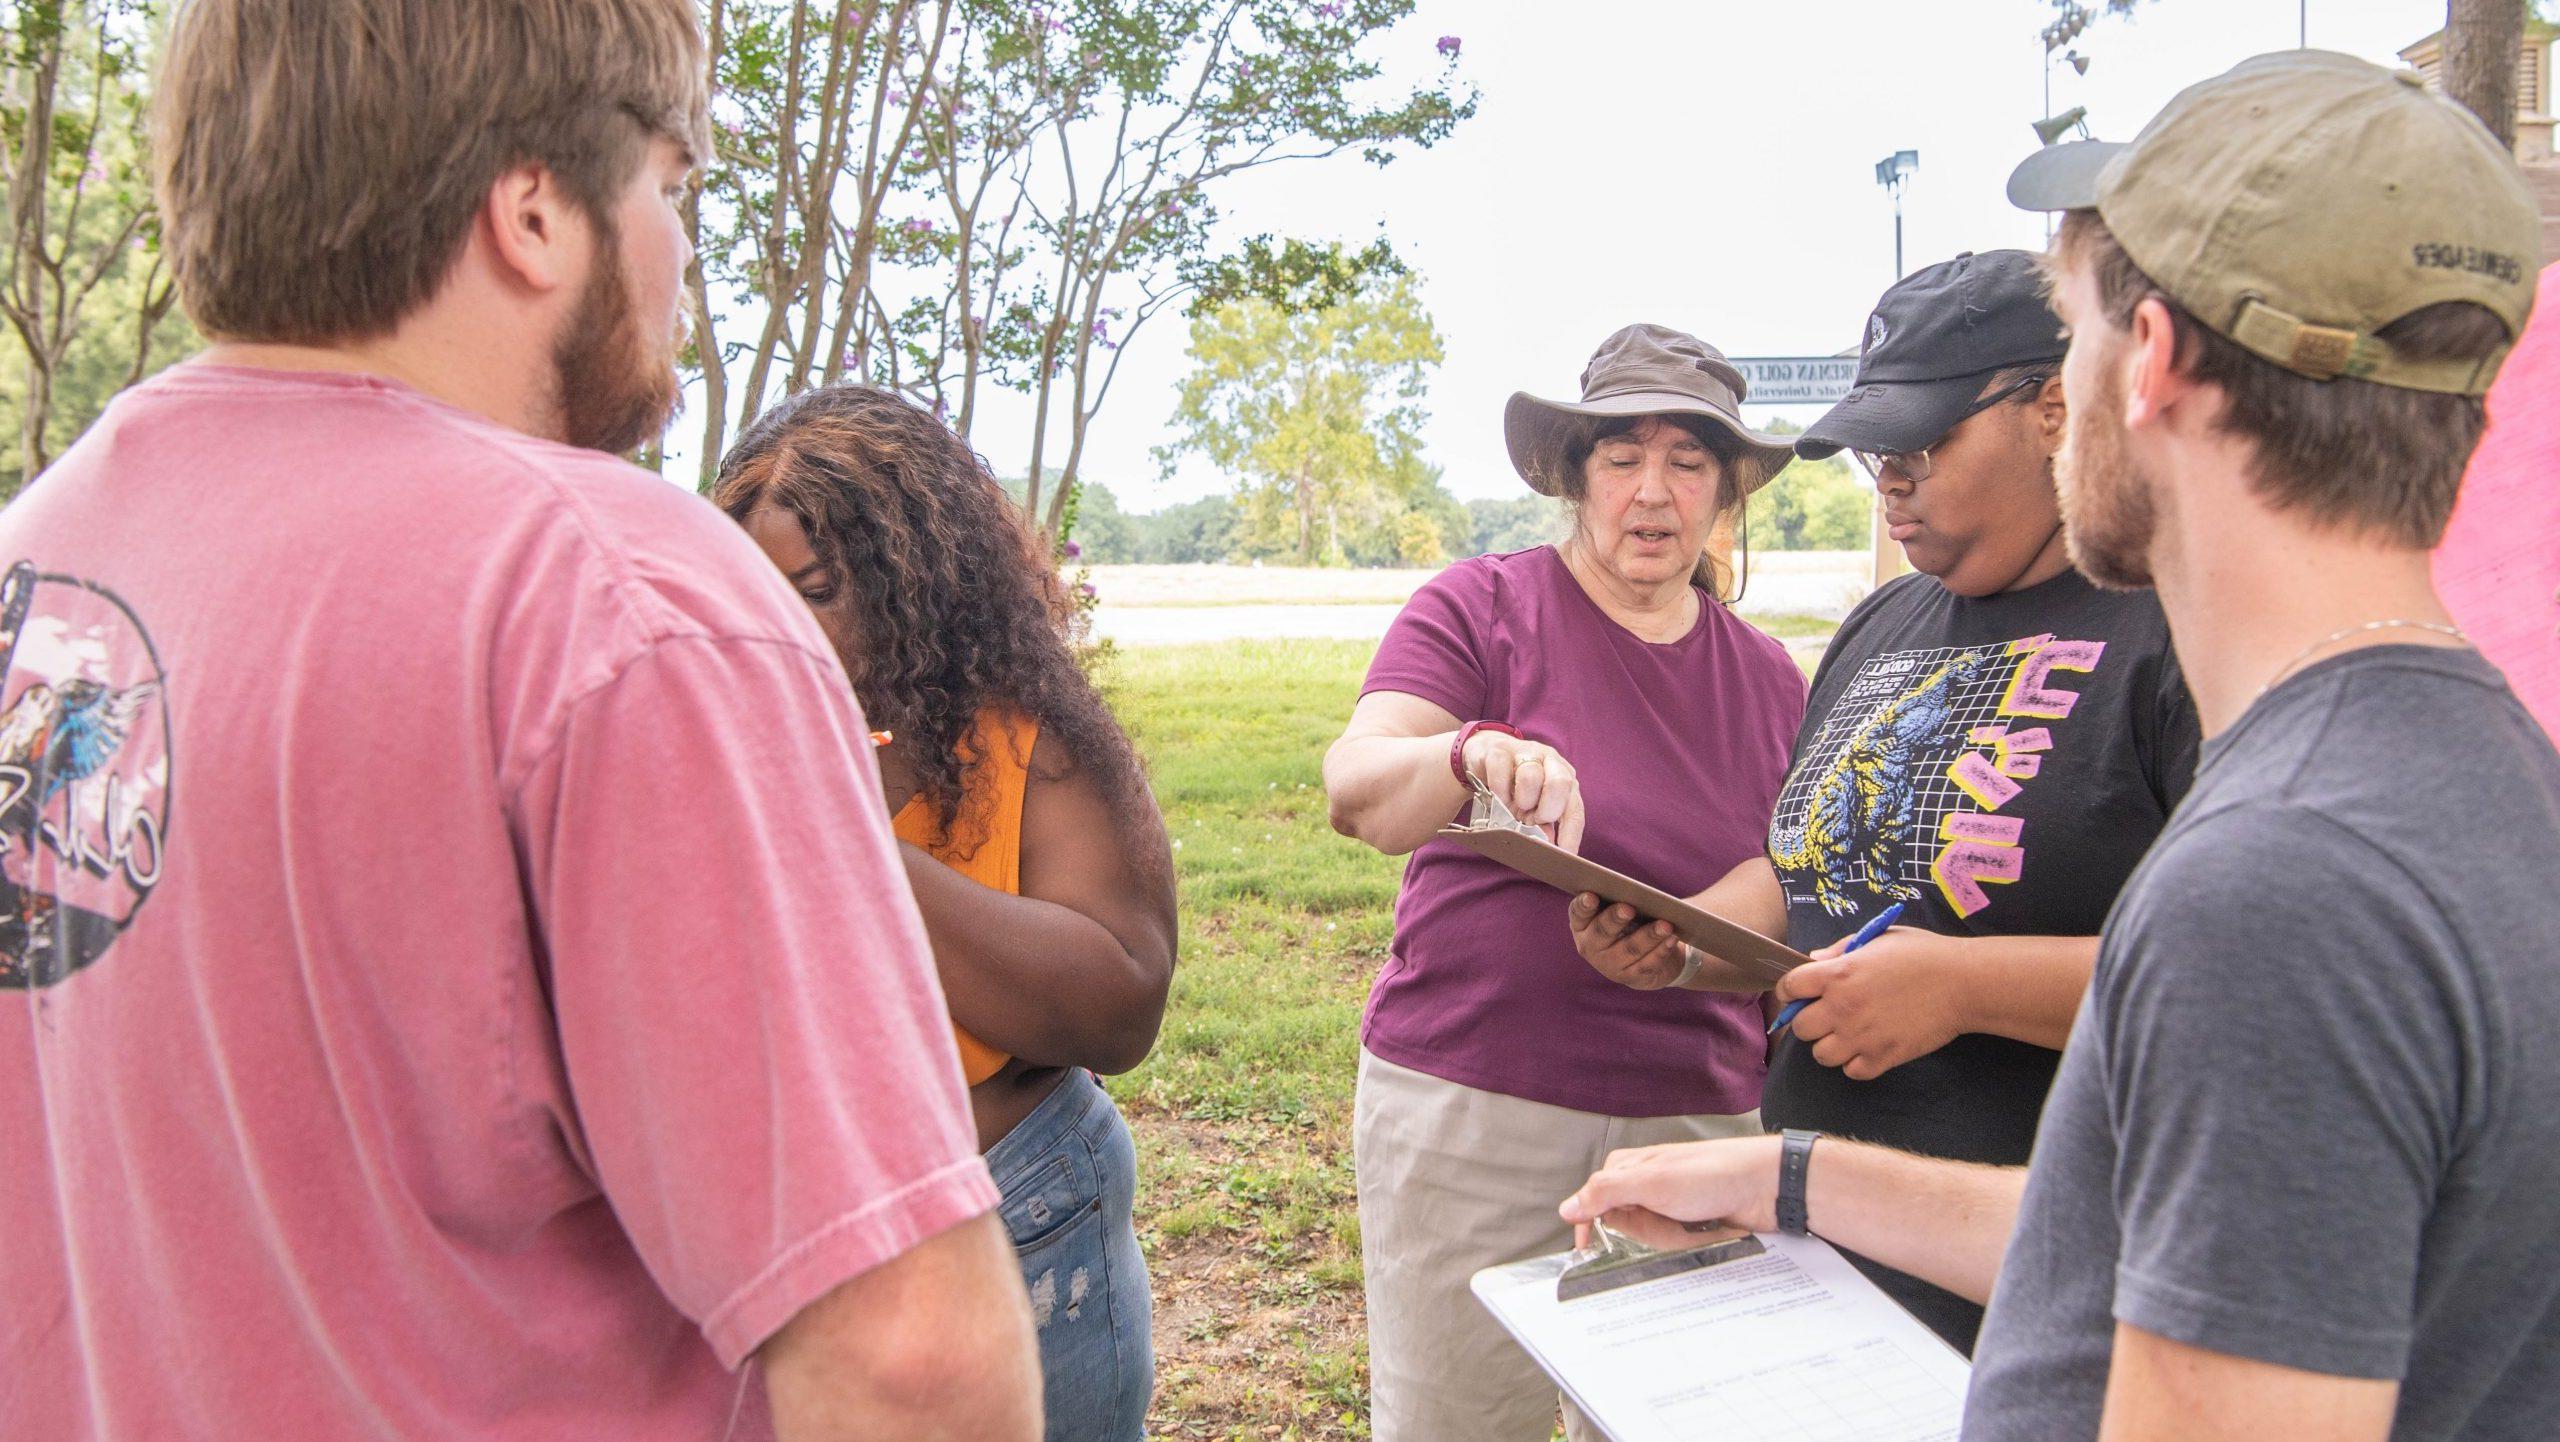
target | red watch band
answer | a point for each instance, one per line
(1458, 748)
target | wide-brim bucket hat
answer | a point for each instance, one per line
(1644, 370)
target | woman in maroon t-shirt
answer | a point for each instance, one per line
(1600, 688)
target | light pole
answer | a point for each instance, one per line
(2079, 64)
(1891, 172)
(1884, 558)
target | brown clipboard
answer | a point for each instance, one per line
(1545, 861)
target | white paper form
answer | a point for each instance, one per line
(1792, 1345)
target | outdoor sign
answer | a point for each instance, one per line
(1798, 380)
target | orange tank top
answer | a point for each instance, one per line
(990, 816)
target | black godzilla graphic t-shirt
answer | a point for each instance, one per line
(1997, 765)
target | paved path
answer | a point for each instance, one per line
(1822, 588)
(1176, 625)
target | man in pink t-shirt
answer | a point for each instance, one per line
(456, 979)
(2498, 568)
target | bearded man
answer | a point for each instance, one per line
(523, 1022)
(2299, 1175)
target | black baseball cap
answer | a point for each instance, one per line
(1932, 342)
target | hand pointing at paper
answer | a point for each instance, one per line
(1657, 1195)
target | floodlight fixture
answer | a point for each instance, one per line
(2052, 128)
(1891, 172)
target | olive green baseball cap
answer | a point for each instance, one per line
(2302, 201)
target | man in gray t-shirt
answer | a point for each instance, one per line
(2299, 1176)
(2311, 1111)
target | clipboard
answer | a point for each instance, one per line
(1492, 831)
(1781, 1337)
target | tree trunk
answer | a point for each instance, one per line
(697, 285)
(36, 414)
(2483, 45)
(777, 268)
(1306, 518)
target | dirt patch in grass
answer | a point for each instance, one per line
(1259, 1328)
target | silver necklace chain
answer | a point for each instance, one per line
(2395, 624)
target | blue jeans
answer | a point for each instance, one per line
(1069, 1175)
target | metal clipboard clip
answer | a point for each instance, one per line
(1488, 813)
(1615, 1260)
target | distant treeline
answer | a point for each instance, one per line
(1812, 506)
(1205, 530)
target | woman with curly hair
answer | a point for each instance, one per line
(1035, 849)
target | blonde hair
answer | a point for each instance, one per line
(320, 162)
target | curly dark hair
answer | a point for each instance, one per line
(954, 602)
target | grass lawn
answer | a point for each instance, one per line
(1243, 1114)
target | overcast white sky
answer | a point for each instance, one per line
(1708, 164)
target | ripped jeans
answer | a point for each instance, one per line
(1069, 1175)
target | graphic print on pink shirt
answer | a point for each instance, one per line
(84, 773)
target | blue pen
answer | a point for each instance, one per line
(1869, 932)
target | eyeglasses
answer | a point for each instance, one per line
(1913, 466)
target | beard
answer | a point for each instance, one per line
(2109, 510)
(615, 392)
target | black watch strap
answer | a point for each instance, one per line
(1795, 1155)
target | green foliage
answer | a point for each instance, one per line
(98, 363)
(1820, 505)
(1317, 416)
(1195, 532)
(1028, 183)
(1517, 524)
(1291, 274)
(87, 305)
(1812, 506)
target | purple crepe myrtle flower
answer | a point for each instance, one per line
(1330, 10)
(1448, 46)
(917, 226)
(1073, 550)
(1085, 589)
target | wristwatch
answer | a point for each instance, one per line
(1458, 748)
(1795, 1154)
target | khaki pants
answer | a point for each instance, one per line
(1453, 1180)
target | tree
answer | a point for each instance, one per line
(2483, 46)
(1315, 413)
(935, 194)
(1105, 534)
(80, 221)
(816, 103)
(1811, 506)
(1516, 524)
